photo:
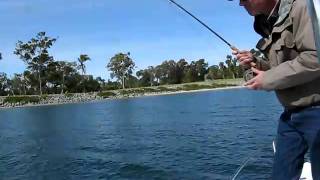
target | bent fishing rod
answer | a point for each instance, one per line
(314, 9)
(249, 74)
(232, 48)
(206, 26)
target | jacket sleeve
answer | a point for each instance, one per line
(305, 66)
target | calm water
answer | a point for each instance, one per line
(205, 135)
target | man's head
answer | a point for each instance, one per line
(256, 7)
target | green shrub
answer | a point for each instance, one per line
(125, 92)
(215, 85)
(167, 89)
(136, 91)
(22, 99)
(106, 94)
(44, 96)
(131, 91)
(162, 88)
(69, 95)
(149, 90)
(190, 87)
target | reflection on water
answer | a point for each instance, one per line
(204, 135)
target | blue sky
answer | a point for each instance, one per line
(151, 30)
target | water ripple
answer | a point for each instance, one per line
(185, 136)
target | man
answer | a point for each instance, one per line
(293, 72)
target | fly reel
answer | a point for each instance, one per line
(248, 74)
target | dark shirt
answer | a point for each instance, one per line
(263, 24)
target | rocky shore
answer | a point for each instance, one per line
(49, 100)
(54, 99)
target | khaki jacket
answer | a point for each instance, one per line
(292, 69)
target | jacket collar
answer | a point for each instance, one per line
(284, 10)
(275, 10)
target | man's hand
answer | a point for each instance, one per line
(244, 57)
(256, 82)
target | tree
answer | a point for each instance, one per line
(146, 76)
(101, 81)
(35, 54)
(56, 74)
(232, 66)
(181, 65)
(73, 83)
(66, 68)
(222, 69)
(132, 82)
(110, 85)
(30, 82)
(214, 73)
(91, 84)
(82, 59)
(201, 69)
(161, 74)
(17, 84)
(3, 84)
(121, 66)
(152, 74)
(167, 72)
(190, 74)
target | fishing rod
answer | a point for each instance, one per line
(249, 74)
(206, 26)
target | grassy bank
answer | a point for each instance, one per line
(171, 88)
(13, 101)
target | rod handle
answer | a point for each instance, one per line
(252, 64)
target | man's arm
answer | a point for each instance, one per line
(305, 66)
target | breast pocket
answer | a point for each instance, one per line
(285, 47)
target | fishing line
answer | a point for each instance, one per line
(252, 157)
(245, 163)
(233, 48)
(240, 168)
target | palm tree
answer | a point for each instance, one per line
(222, 69)
(65, 68)
(232, 64)
(82, 59)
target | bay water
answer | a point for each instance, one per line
(198, 135)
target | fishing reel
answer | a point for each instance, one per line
(248, 75)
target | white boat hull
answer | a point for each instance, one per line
(306, 172)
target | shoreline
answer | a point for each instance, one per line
(96, 98)
(193, 91)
